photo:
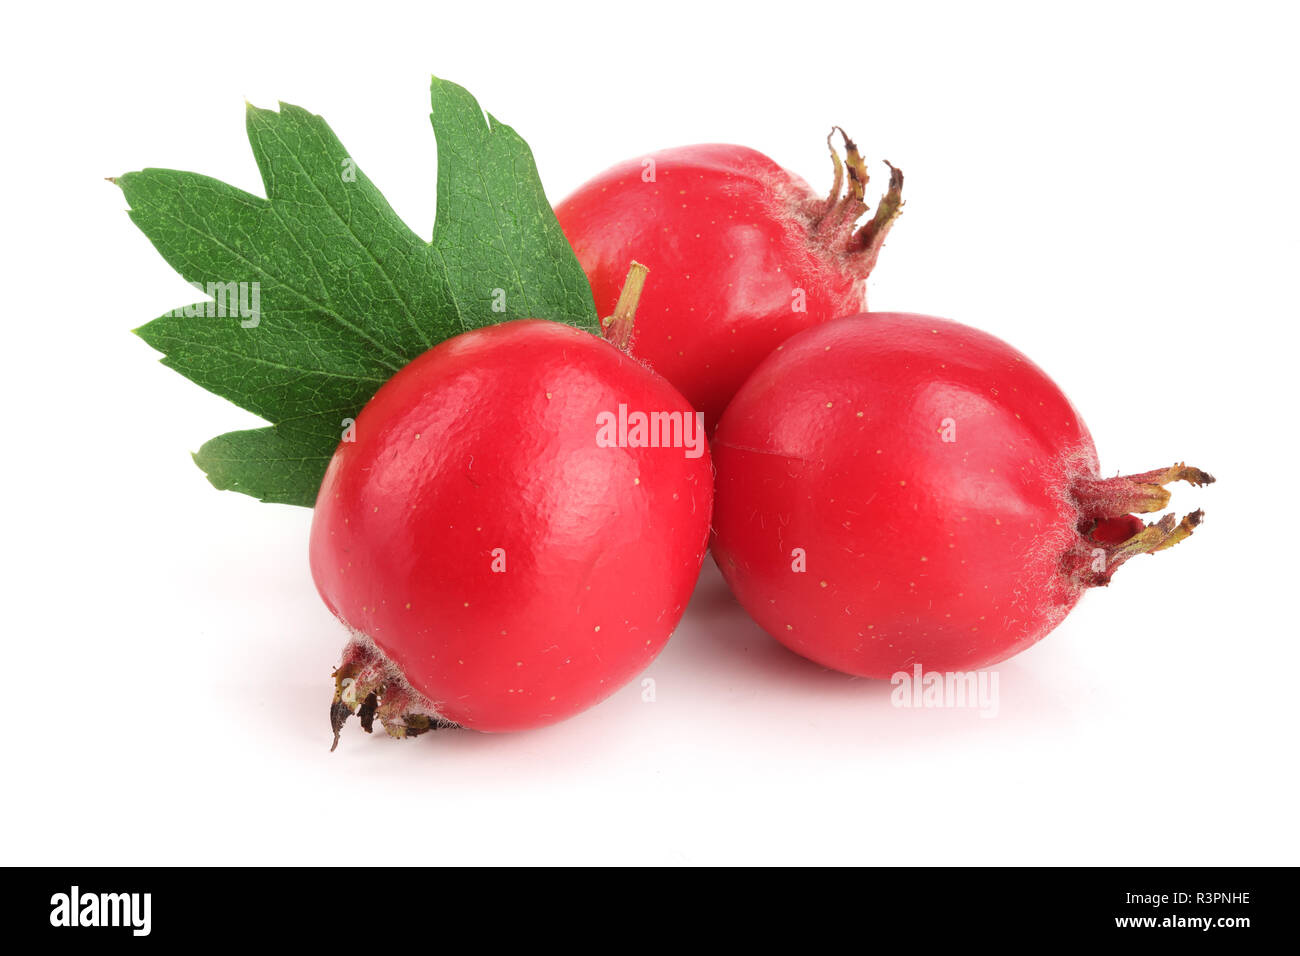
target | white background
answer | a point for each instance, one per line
(1111, 188)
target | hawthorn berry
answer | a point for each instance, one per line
(744, 254)
(898, 489)
(497, 566)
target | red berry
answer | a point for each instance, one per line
(939, 490)
(498, 567)
(743, 252)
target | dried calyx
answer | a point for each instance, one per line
(835, 219)
(371, 686)
(1109, 531)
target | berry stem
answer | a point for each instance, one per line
(618, 327)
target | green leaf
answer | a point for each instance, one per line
(274, 464)
(495, 232)
(319, 293)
